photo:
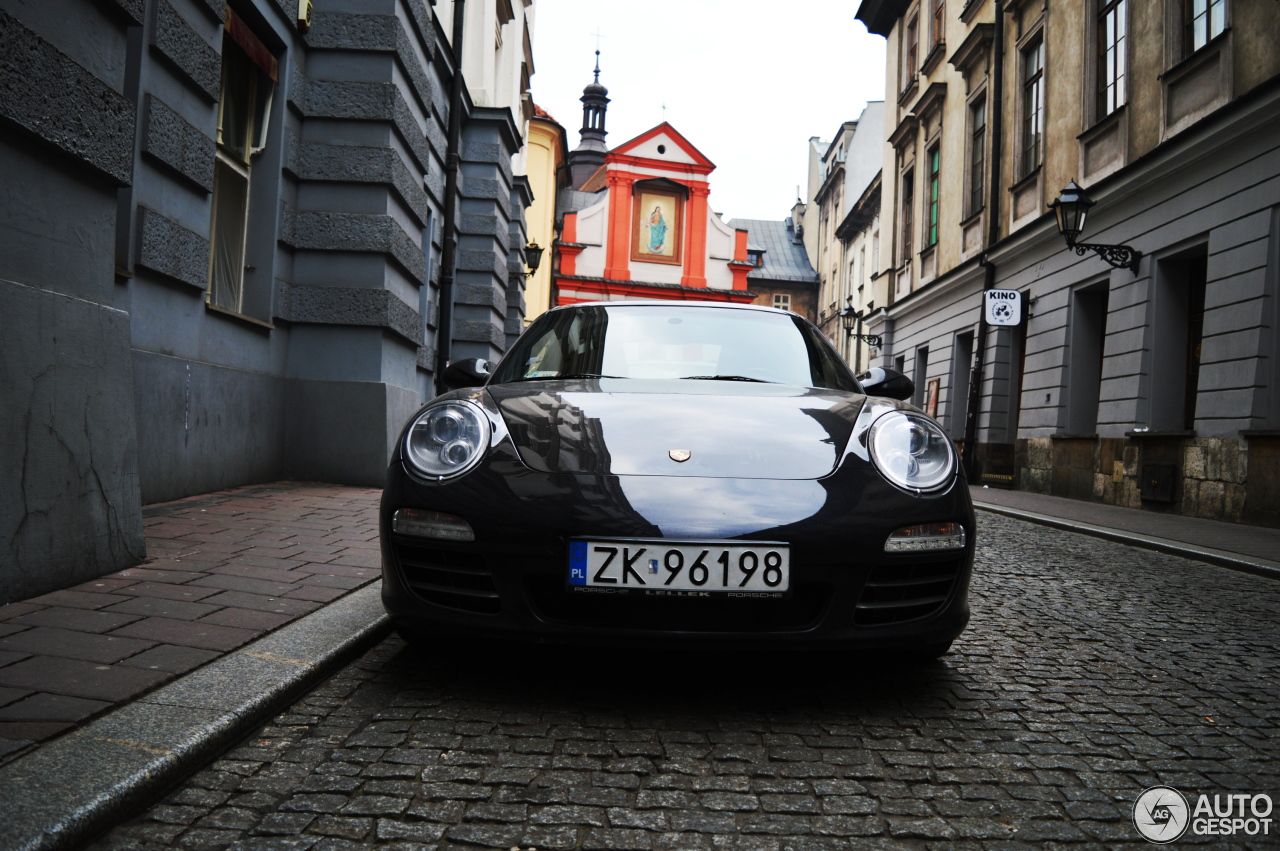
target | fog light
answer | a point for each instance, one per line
(927, 537)
(431, 524)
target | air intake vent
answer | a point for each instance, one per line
(904, 592)
(459, 580)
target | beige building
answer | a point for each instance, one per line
(847, 203)
(546, 149)
(859, 236)
(828, 256)
(1150, 384)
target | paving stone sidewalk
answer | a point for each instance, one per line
(222, 570)
(1257, 543)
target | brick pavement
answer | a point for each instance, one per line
(1091, 671)
(222, 570)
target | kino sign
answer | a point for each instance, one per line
(1003, 307)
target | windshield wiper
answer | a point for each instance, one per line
(724, 378)
(568, 376)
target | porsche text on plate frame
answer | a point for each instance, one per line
(679, 428)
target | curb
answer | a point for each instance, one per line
(66, 792)
(1222, 558)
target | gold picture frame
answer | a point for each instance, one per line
(657, 233)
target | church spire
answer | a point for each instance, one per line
(588, 157)
(595, 101)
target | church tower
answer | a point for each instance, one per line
(588, 157)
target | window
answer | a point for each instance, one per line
(755, 258)
(1032, 105)
(935, 165)
(939, 24)
(243, 109)
(908, 219)
(910, 51)
(1112, 44)
(977, 153)
(1205, 20)
(782, 301)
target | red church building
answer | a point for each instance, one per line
(637, 222)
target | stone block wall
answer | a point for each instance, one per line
(1214, 472)
(1216, 478)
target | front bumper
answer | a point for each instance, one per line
(511, 582)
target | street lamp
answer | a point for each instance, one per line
(1071, 208)
(533, 256)
(850, 319)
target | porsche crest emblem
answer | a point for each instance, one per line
(680, 454)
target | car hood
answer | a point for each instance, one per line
(632, 427)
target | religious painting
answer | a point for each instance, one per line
(658, 217)
(931, 397)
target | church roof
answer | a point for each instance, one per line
(595, 182)
(784, 255)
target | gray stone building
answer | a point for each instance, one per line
(224, 246)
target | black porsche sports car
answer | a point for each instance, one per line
(677, 472)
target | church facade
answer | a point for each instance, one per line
(637, 222)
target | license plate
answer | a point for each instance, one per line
(679, 568)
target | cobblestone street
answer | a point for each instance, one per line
(1089, 672)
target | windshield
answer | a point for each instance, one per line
(673, 342)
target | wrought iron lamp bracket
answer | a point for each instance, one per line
(1119, 256)
(872, 340)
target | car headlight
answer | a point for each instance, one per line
(447, 439)
(911, 451)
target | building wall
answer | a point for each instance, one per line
(860, 250)
(69, 507)
(832, 203)
(804, 297)
(131, 385)
(1086, 398)
(545, 158)
(812, 216)
(852, 162)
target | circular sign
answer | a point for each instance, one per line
(1161, 814)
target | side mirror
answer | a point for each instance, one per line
(890, 383)
(468, 372)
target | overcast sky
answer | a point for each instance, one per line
(747, 82)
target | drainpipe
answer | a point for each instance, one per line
(993, 236)
(448, 257)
